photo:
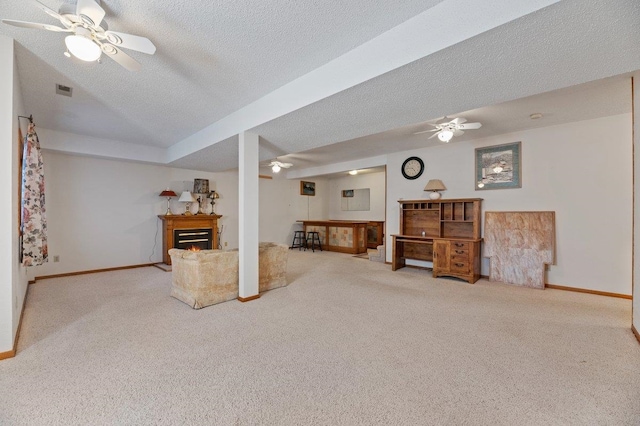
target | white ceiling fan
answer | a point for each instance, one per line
(445, 130)
(90, 34)
(276, 165)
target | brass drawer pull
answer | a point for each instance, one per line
(460, 251)
(459, 265)
(459, 244)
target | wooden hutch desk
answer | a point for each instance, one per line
(445, 232)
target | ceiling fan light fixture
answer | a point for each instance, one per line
(275, 168)
(445, 135)
(82, 47)
(353, 172)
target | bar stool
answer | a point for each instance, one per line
(299, 240)
(315, 237)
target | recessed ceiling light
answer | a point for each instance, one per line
(353, 172)
(535, 115)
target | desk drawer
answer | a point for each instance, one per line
(459, 245)
(461, 266)
(460, 259)
(463, 253)
(419, 251)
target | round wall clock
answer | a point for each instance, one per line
(412, 168)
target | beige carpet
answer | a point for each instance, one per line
(346, 343)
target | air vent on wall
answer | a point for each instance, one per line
(64, 90)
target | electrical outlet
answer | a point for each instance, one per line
(225, 243)
(56, 258)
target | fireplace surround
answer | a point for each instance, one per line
(187, 224)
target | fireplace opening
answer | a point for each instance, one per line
(186, 239)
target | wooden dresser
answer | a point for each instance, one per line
(445, 232)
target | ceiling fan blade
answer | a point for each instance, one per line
(53, 13)
(120, 57)
(426, 131)
(90, 9)
(468, 126)
(458, 120)
(35, 25)
(433, 136)
(286, 165)
(457, 132)
(130, 41)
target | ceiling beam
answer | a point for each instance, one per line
(448, 23)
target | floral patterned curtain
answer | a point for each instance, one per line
(34, 221)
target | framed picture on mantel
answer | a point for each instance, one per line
(307, 188)
(498, 167)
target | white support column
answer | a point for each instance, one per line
(248, 216)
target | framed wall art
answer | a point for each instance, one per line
(499, 167)
(307, 188)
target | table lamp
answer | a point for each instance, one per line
(186, 197)
(213, 196)
(435, 185)
(168, 193)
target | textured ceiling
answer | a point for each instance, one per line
(541, 52)
(215, 57)
(583, 102)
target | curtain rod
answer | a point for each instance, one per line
(30, 118)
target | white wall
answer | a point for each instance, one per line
(19, 275)
(636, 199)
(579, 170)
(281, 206)
(226, 184)
(103, 213)
(13, 279)
(374, 181)
(6, 191)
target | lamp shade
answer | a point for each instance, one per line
(435, 185)
(186, 197)
(168, 193)
(201, 186)
(213, 195)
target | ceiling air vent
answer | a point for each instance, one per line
(64, 90)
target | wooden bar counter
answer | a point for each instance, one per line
(345, 236)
